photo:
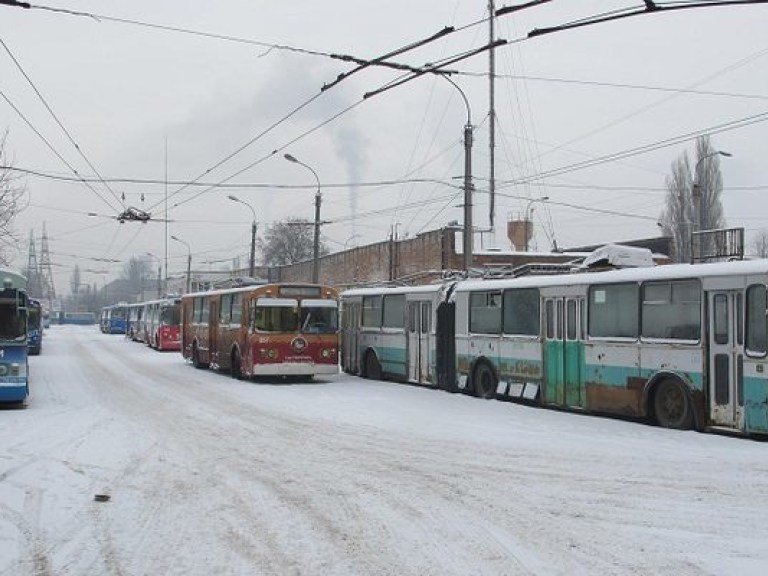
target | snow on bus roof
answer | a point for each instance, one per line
(373, 291)
(664, 272)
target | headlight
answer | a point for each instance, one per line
(15, 369)
(3, 370)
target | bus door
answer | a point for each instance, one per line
(564, 351)
(351, 341)
(726, 358)
(419, 320)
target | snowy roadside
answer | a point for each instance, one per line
(208, 475)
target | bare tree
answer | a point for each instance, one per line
(680, 217)
(11, 192)
(759, 245)
(677, 218)
(138, 274)
(289, 242)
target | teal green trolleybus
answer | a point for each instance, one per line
(684, 346)
(14, 363)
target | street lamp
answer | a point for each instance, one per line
(159, 273)
(189, 260)
(252, 266)
(316, 244)
(696, 189)
(468, 136)
(529, 216)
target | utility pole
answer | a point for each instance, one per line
(468, 196)
(492, 115)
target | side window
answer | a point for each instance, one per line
(204, 310)
(372, 311)
(756, 323)
(394, 311)
(572, 328)
(550, 314)
(720, 315)
(412, 317)
(521, 312)
(672, 310)
(237, 309)
(225, 309)
(613, 310)
(426, 317)
(485, 312)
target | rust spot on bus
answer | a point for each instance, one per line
(614, 399)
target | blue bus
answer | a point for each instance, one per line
(34, 327)
(114, 318)
(14, 387)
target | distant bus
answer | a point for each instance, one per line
(34, 326)
(683, 346)
(113, 318)
(81, 318)
(14, 364)
(268, 330)
(161, 323)
(133, 322)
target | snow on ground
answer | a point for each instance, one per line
(208, 475)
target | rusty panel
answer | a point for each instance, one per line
(614, 399)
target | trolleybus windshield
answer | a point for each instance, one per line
(13, 323)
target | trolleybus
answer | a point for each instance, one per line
(34, 326)
(160, 321)
(685, 346)
(113, 318)
(286, 330)
(14, 364)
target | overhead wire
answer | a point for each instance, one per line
(57, 119)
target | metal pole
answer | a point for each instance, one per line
(318, 200)
(189, 271)
(492, 116)
(253, 249)
(467, 196)
(316, 245)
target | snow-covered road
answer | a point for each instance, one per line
(208, 475)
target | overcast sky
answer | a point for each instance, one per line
(126, 93)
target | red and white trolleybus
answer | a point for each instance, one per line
(266, 330)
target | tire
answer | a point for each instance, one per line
(196, 358)
(372, 366)
(236, 369)
(671, 406)
(484, 381)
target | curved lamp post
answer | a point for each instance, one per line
(318, 200)
(252, 263)
(189, 260)
(696, 189)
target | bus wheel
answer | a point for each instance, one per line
(671, 406)
(236, 369)
(196, 357)
(484, 381)
(372, 366)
